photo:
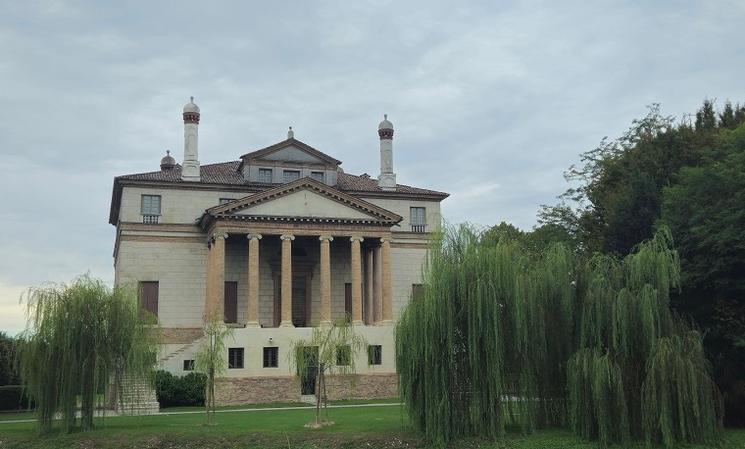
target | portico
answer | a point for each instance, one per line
(312, 270)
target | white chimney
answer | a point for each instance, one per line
(386, 179)
(190, 167)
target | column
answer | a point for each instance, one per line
(214, 309)
(369, 287)
(325, 279)
(356, 281)
(252, 308)
(377, 286)
(286, 280)
(385, 252)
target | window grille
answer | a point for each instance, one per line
(290, 175)
(375, 355)
(235, 358)
(265, 175)
(271, 357)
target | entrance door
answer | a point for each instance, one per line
(298, 301)
(308, 377)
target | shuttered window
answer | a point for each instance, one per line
(150, 205)
(231, 302)
(149, 298)
(265, 175)
(375, 355)
(235, 358)
(317, 175)
(290, 175)
(271, 357)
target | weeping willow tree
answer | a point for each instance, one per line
(505, 336)
(210, 360)
(331, 349)
(78, 337)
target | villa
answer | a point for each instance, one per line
(277, 242)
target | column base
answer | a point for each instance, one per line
(326, 324)
(358, 323)
(385, 323)
(286, 324)
(253, 324)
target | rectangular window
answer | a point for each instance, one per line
(375, 355)
(231, 302)
(348, 301)
(189, 365)
(226, 200)
(149, 298)
(150, 208)
(417, 291)
(343, 355)
(265, 175)
(317, 175)
(150, 205)
(290, 175)
(271, 357)
(418, 219)
(235, 358)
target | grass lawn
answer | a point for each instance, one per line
(369, 427)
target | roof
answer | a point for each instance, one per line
(229, 175)
(290, 142)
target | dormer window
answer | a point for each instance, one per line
(265, 175)
(317, 175)
(290, 175)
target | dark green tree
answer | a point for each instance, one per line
(8, 365)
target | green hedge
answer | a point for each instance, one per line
(12, 397)
(176, 390)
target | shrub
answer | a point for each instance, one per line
(179, 390)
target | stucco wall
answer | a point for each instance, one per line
(402, 208)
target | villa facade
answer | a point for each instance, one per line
(276, 242)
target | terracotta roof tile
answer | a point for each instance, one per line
(228, 173)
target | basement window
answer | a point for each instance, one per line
(189, 365)
(235, 358)
(343, 355)
(271, 357)
(375, 355)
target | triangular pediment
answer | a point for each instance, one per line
(305, 199)
(291, 150)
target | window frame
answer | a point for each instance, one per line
(343, 355)
(264, 171)
(285, 172)
(375, 355)
(267, 357)
(150, 196)
(412, 215)
(322, 178)
(231, 362)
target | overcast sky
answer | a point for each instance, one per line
(491, 101)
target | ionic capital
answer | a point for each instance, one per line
(356, 238)
(253, 236)
(386, 239)
(326, 238)
(287, 237)
(219, 235)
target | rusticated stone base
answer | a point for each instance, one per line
(256, 390)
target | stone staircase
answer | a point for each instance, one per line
(178, 351)
(136, 397)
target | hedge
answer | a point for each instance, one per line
(176, 390)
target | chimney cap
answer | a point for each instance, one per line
(385, 124)
(191, 106)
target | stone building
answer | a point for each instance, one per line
(277, 242)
